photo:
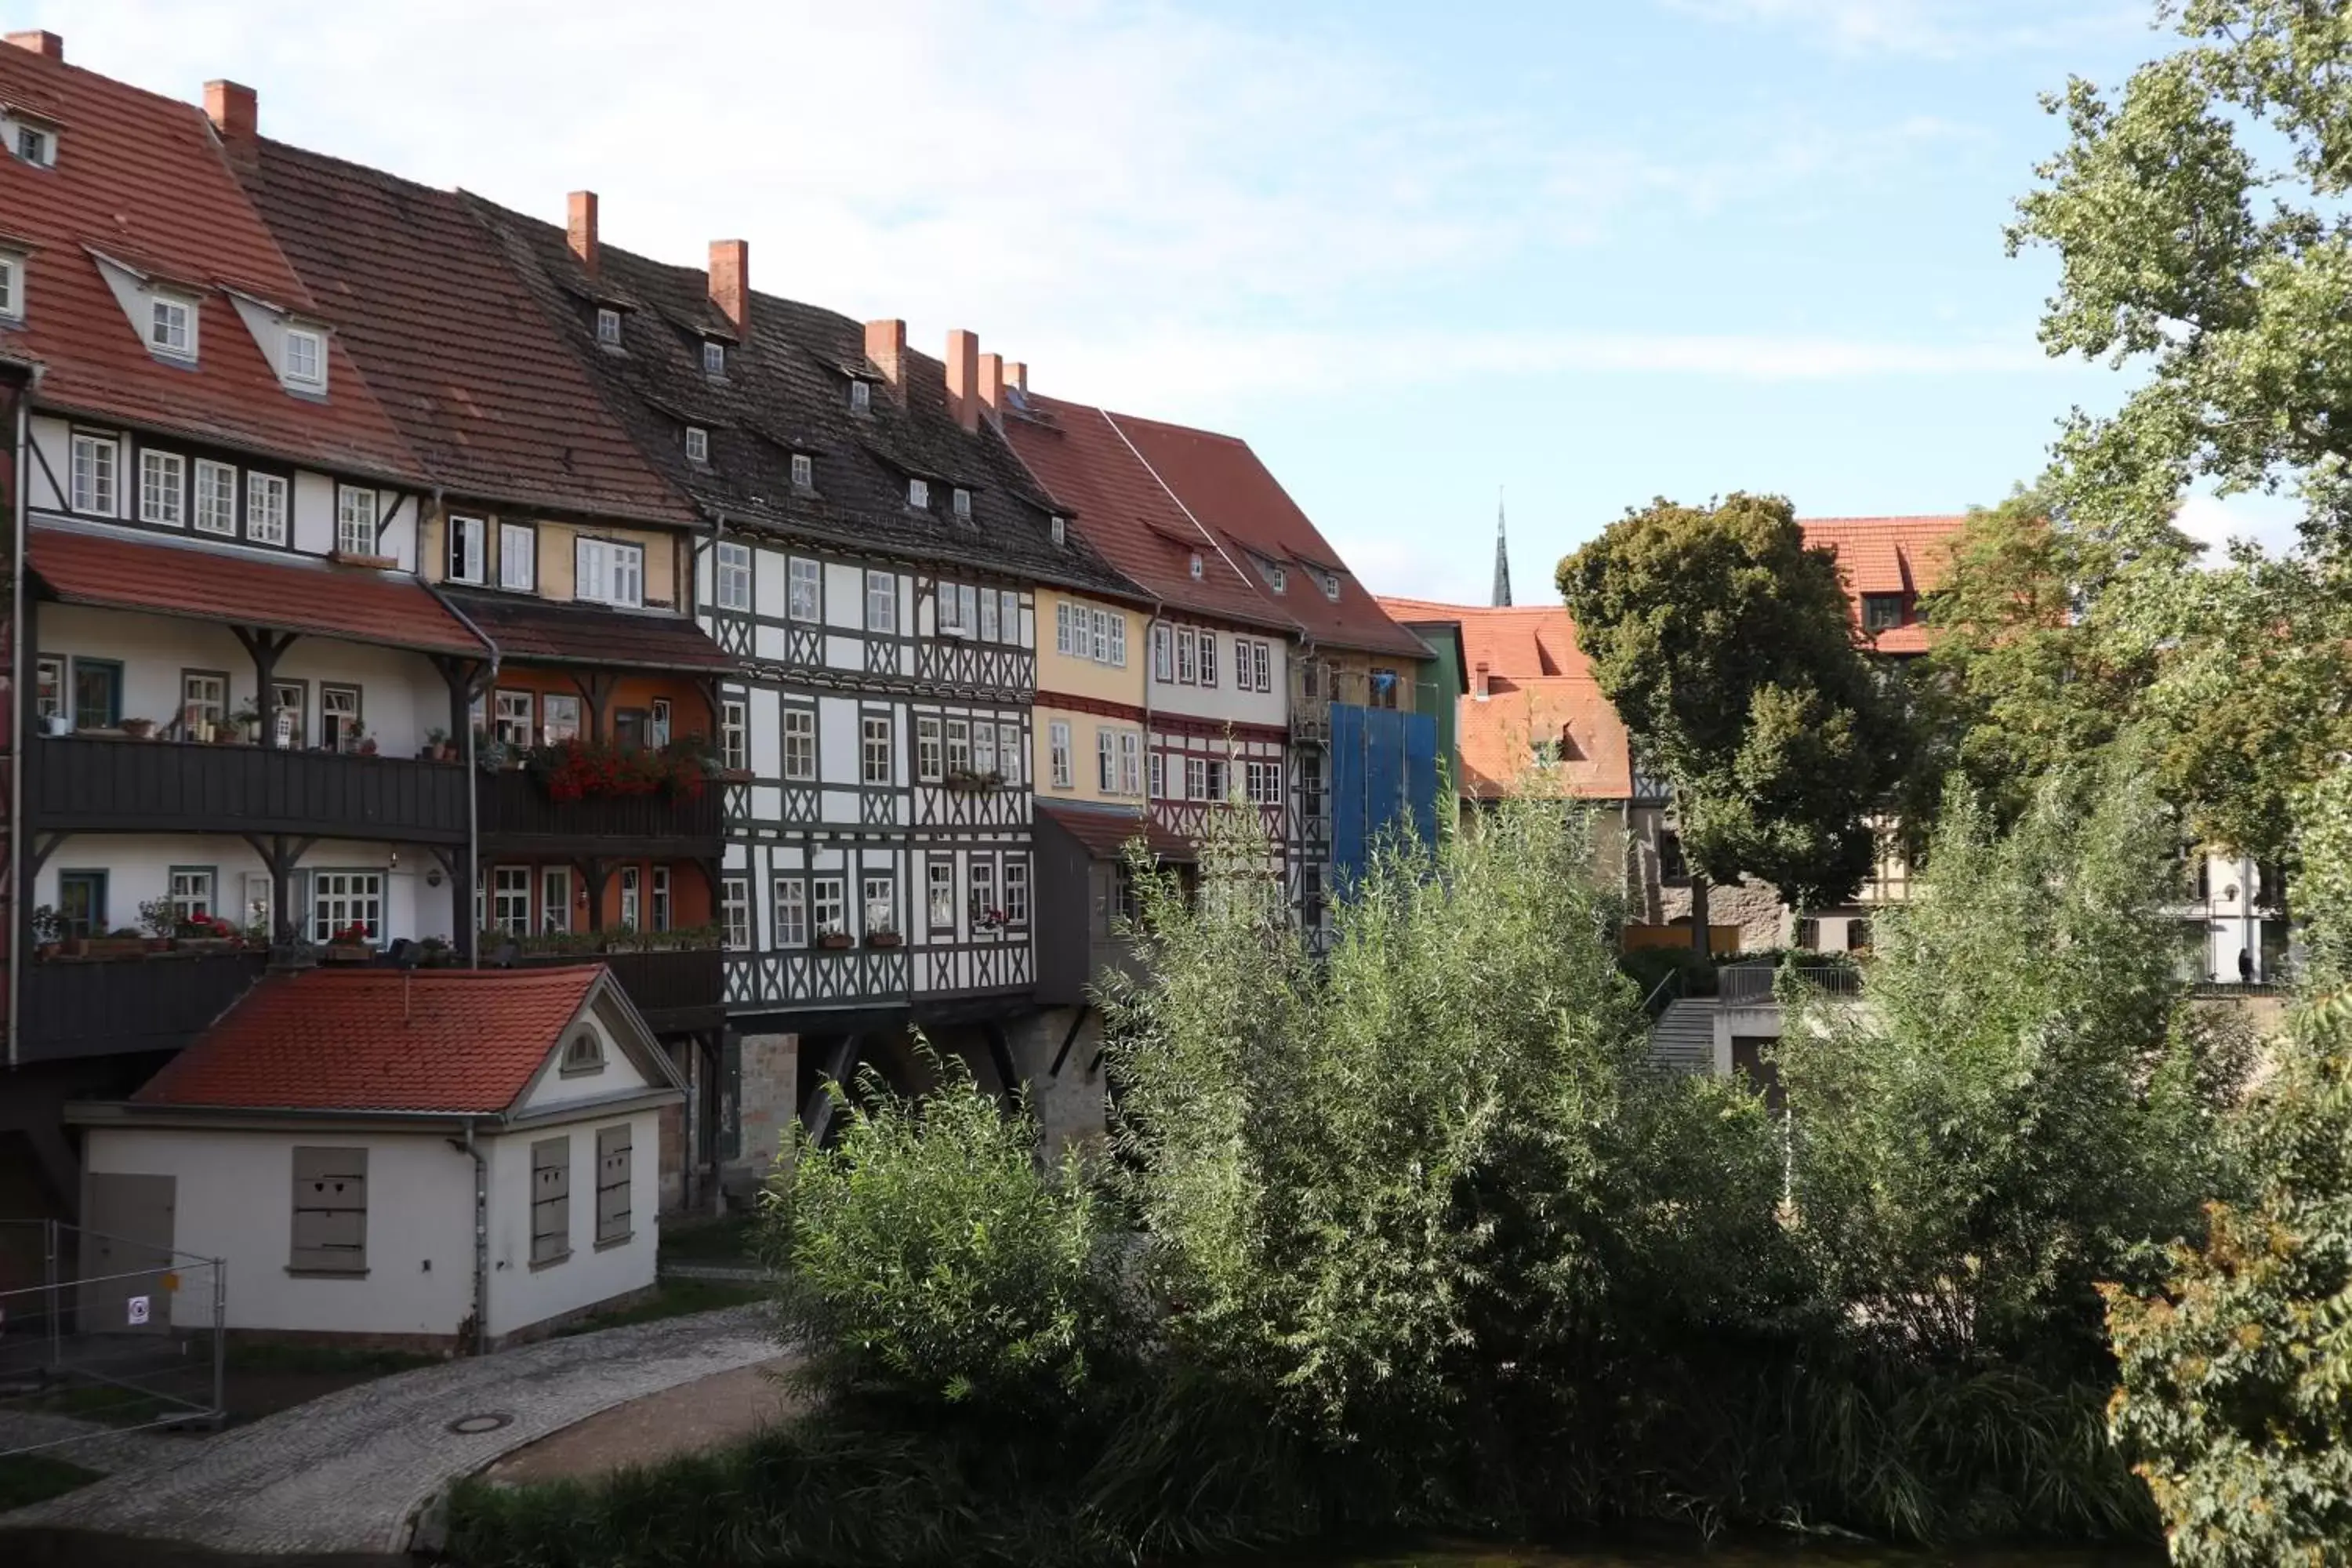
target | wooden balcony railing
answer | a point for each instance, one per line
(678, 990)
(517, 814)
(74, 1008)
(87, 785)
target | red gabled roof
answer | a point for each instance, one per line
(1904, 555)
(1219, 482)
(465, 1041)
(1105, 831)
(244, 587)
(1079, 455)
(1522, 642)
(140, 179)
(497, 406)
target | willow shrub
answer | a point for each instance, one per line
(2237, 1373)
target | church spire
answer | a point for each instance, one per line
(1502, 557)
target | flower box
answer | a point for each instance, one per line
(115, 947)
(973, 783)
(884, 938)
(348, 952)
(833, 940)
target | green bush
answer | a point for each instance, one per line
(924, 1253)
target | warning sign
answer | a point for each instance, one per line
(138, 1311)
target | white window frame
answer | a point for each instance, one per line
(1106, 761)
(959, 502)
(882, 603)
(929, 750)
(1057, 751)
(359, 517)
(608, 326)
(1008, 752)
(1130, 762)
(734, 734)
(1062, 644)
(213, 499)
(36, 145)
(731, 573)
(804, 590)
(1188, 668)
(983, 748)
(314, 376)
(172, 326)
(979, 887)
(1099, 627)
(560, 717)
(987, 621)
(554, 899)
(194, 892)
(735, 911)
(518, 557)
(96, 484)
(878, 896)
(919, 495)
(1016, 893)
(861, 397)
(1163, 655)
(949, 613)
(796, 732)
(468, 555)
(1208, 640)
(1157, 761)
(959, 745)
(714, 358)
(939, 893)
(803, 471)
(609, 571)
(660, 896)
(1061, 529)
(1117, 640)
(788, 912)
(164, 504)
(339, 899)
(269, 500)
(968, 608)
(514, 718)
(874, 749)
(829, 904)
(12, 287)
(697, 444)
(633, 903)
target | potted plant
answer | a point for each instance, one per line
(880, 934)
(49, 931)
(351, 944)
(138, 729)
(206, 933)
(120, 943)
(358, 731)
(242, 727)
(161, 918)
(833, 939)
(436, 747)
(56, 724)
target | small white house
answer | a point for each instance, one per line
(340, 1137)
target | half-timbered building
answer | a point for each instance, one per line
(870, 559)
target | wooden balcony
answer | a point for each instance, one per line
(91, 784)
(677, 991)
(75, 1008)
(518, 817)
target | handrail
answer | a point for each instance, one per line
(1674, 978)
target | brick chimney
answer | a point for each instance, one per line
(1016, 374)
(963, 378)
(580, 229)
(1478, 679)
(992, 384)
(48, 44)
(234, 109)
(886, 346)
(731, 280)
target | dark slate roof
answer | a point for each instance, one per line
(787, 390)
(487, 392)
(543, 630)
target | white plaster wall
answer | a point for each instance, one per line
(838, 744)
(1223, 701)
(236, 1201)
(401, 695)
(138, 867)
(845, 597)
(554, 1087)
(314, 513)
(521, 1295)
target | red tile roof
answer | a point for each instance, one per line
(241, 587)
(528, 629)
(1106, 831)
(1904, 555)
(457, 1040)
(1519, 641)
(1224, 488)
(141, 179)
(1079, 455)
(494, 402)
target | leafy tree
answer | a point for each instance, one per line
(2237, 1375)
(2027, 1105)
(1727, 646)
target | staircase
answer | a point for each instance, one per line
(1683, 1040)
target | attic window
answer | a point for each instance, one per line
(1881, 612)
(714, 358)
(1331, 586)
(583, 1053)
(172, 326)
(12, 287)
(803, 471)
(306, 358)
(1061, 531)
(1277, 576)
(697, 444)
(37, 146)
(962, 502)
(608, 326)
(918, 491)
(1196, 566)
(861, 397)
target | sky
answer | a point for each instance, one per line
(1576, 254)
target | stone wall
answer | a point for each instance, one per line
(765, 1094)
(1069, 1105)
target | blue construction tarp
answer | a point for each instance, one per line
(1383, 782)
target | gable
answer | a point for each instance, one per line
(630, 1061)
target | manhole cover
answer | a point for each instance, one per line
(488, 1421)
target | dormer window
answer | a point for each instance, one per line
(1277, 576)
(861, 397)
(697, 444)
(37, 146)
(1061, 531)
(608, 326)
(1196, 566)
(1881, 612)
(1331, 586)
(714, 358)
(172, 326)
(962, 502)
(919, 494)
(12, 287)
(306, 359)
(803, 471)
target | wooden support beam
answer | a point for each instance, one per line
(816, 1114)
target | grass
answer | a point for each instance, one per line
(671, 1298)
(727, 1240)
(28, 1479)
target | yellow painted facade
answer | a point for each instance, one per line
(1095, 650)
(667, 562)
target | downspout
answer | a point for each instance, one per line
(465, 920)
(481, 1242)
(20, 451)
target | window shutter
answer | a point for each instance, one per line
(330, 1210)
(551, 1200)
(612, 1184)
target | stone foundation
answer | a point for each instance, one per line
(762, 1104)
(1070, 1106)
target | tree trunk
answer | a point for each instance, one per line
(1698, 915)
